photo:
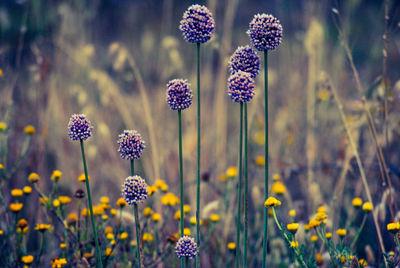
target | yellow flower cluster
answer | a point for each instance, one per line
(272, 202)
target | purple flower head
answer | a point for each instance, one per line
(131, 145)
(245, 59)
(265, 32)
(197, 24)
(241, 87)
(186, 247)
(179, 94)
(134, 190)
(79, 127)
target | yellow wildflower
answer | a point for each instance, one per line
(314, 223)
(3, 125)
(1, 232)
(393, 227)
(169, 199)
(259, 160)
(294, 244)
(177, 215)
(164, 188)
(159, 182)
(231, 246)
(63, 245)
(328, 235)
(27, 190)
(113, 212)
(323, 94)
(292, 213)
(98, 210)
(193, 221)
(342, 258)
(341, 232)
(186, 208)
(56, 203)
(42, 227)
(278, 187)
(17, 193)
(1, 166)
(318, 259)
(147, 211)
(121, 202)
(223, 177)
(123, 236)
(108, 230)
(276, 177)
(367, 207)
(363, 263)
(292, 227)
(33, 177)
(155, 217)
(186, 231)
(108, 252)
(148, 237)
(232, 172)
(104, 217)
(43, 200)
(321, 216)
(29, 130)
(85, 212)
(272, 202)
(110, 236)
(56, 176)
(82, 178)
(215, 217)
(314, 238)
(357, 202)
(64, 199)
(28, 259)
(15, 207)
(321, 209)
(87, 255)
(151, 189)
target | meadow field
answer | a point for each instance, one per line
(109, 90)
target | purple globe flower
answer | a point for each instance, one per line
(265, 32)
(131, 145)
(134, 190)
(245, 59)
(186, 247)
(79, 127)
(197, 24)
(241, 87)
(179, 94)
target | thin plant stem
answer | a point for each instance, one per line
(359, 231)
(42, 243)
(197, 260)
(245, 190)
(264, 257)
(239, 192)
(181, 175)
(139, 253)
(132, 167)
(98, 252)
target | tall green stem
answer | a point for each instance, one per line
(246, 201)
(139, 253)
(42, 245)
(98, 253)
(239, 192)
(264, 258)
(181, 175)
(132, 167)
(359, 231)
(197, 260)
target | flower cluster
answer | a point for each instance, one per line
(134, 190)
(197, 24)
(130, 144)
(265, 32)
(186, 247)
(79, 127)
(245, 59)
(179, 94)
(241, 87)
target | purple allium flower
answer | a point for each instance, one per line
(245, 59)
(265, 32)
(134, 190)
(179, 94)
(131, 145)
(197, 24)
(186, 247)
(79, 127)
(241, 87)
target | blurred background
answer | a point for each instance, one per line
(111, 59)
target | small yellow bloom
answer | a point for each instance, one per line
(98, 210)
(28, 259)
(121, 202)
(272, 202)
(292, 213)
(314, 238)
(148, 237)
(15, 207)
(147, 211)
(56, 203)
(58, 262)
(64, 199)
(294, 244)
(215, 217)
(29, 130)
(151, 189)
(231, 246)
(108, 252)
(357, 202)
(260, 160)
(341, 232)
(63, 245)
(164, 188)
(110, 236)
(278, 187)
(22, 223)
(3, 126)
(113, 242)
(27, 190)
(113, 212)
(104, 200)
(42, 227)
(314, 223)
(231, 172)
(169, 199)
(363, 263)
(321, 216)
(186, 208)
(33, 177)
(186, 231)
(56, 176)
(17, 193)
(318, 259)
(367, 207)
(177, 215)
(328, 235)
(292, 227)
(393, 227)
(43, 200)
(159, 182)
(123, 236)
(85, 212)
(321, 209)
(323, 94)
(155, 217)
(1, 232)
(276, 177)
(87, 255)
(108, 230)
(82, 178)
(1, 166)
(193, 221)
(342, 258)
(222, 177)
(307, 227)
(104, 217)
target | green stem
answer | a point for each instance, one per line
(138, 246)
(197, 260)
(359, 231)
(264, 258)
(239, 192)
(245, 190)
(98, 253)
(132, 167)
(41, 250)
(181, 175)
